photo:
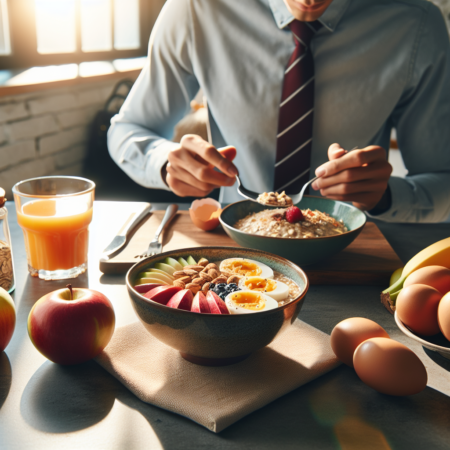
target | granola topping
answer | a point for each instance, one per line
(275, 199)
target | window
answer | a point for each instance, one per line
(5, 46)
(47, 32)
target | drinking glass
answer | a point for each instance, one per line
(54, 213)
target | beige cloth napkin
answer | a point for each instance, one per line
(216, 397)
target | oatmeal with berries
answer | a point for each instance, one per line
(291, 223)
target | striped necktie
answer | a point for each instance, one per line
(295, 121)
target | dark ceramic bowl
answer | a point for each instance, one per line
(300, 251)
(213, 339)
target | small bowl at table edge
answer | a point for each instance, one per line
(443, 351)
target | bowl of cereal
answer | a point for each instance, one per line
(322, 228)
(216, 305)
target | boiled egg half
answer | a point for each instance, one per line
(245, 302)
(275, 289)
(246, 267)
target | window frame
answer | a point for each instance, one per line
(24, 54)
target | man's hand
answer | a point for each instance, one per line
(190, 168)
(360, 176)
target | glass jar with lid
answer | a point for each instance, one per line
(6, 254)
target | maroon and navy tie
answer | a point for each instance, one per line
(295, 121)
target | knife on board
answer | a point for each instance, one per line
(121, 238)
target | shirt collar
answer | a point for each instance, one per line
(329, 19)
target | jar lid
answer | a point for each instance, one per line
(2, 197)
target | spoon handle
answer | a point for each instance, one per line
(306, 185)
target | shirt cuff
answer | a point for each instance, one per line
(401, 199)
(157, 159)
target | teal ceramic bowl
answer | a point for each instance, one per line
(301, 251)
(214, 339)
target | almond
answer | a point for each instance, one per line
(206, 277)
(190, 272)
(220, 280)
(200, 281)
(179, 274)
(213, 273)
(194, 288)
(185, 279)
(212, 266)
(205, 287)
(196, 267)
(179, 283)
(203, 262)
(233, 279)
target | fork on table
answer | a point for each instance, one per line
(155, 246)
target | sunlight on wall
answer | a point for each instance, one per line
(94, 68)
(123, 65)
(36, 75)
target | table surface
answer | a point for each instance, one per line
(45, 406)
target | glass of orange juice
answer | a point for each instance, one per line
(54, 213)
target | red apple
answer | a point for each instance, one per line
(199, 304)
(7, 318)
(70, 326)
(216, 304)
(143, 288)
(162, 294)
(181, 300)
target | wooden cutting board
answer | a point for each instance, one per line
(369, 260)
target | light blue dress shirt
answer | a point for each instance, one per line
(378, 65)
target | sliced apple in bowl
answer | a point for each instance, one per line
(199, 304)
(158, 276)
(143, 288)
(216, 304)
(181, 300)
(165, 267)
(162, 294)
(183, 262)
(173, 263)
(149, 280)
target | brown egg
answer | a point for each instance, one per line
(205, 213)
(444, 315)
(389, 367)
(437, 277)
(349, 333)
(417, 307)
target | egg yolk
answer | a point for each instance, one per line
(260, 284)
(245, 268)
(249, 300)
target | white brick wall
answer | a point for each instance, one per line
(45, 133)
(31, 128)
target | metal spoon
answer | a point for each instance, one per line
(296, 198)
(253, 196)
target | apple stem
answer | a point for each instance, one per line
(69, 286)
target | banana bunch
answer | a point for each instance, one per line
(437, 254)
